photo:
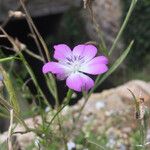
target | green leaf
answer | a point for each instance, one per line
(11, 91)
(3, 146)
(7, 59)
(132, 6)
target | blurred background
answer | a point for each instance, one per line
(65, 21)
(70, 22)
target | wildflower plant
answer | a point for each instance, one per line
(72, 65)
(75, 66)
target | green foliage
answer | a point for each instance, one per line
(97, 142)
(135, 140)
(3, 146)
(138, 29)
(51, 133)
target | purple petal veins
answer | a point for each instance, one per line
(79, 82)
(53, 67)
(96, 66)
(61, 51)
(72, 65)
(86, 51)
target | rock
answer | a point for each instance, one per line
(38, 7)
(109, 112)
(23, 140)
(108, 15)
(117, 115)
(138, 87)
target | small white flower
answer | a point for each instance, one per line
(37, 142)
(47, 109)
(71, 145)
(100, 105)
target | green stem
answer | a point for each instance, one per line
(132, 6)
(7, 59)
(100, 147)
(36, 31)
(12, 41)
(33, 78)
(42, 42)
(8, 107)
(62, 132)
(34, 55)
(38, 36)
(11, 91)
(142, 133)
(102, 44)
(69, 94)
(10, 130)
(101, 78)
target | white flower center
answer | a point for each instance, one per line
(75, 66)
(73, 63)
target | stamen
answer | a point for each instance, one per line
(74, 63)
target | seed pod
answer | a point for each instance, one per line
(16, 14)
(140, 108)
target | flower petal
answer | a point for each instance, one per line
(85, 51)
(79, 82)
(62, 51)
(53, 67)
(95, 66)
(62, 76)
(100, 60)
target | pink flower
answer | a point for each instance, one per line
(74, 65)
